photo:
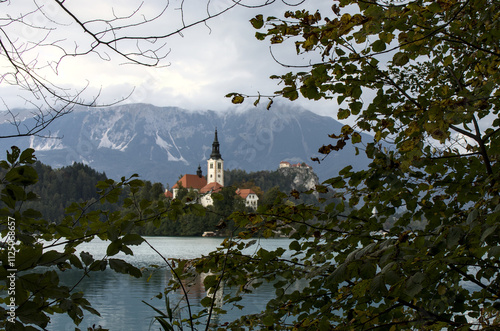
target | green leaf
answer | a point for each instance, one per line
(494, 252)
(114, 247)
(87, 258)
(124, 268)
(339, 274)
(22, 175)
(268, 320)
(489, 231)
(355, 138)
(75, 261)
(206, 301)
(51, 258)
(14, 193)
(355, 107)
(290, 93)
(356, 92)
(13, 155)
(472, 216)
(400, 59)
(257, 22)
(32, 213)
(378, 46)
(210, 281)
(132, 239)
(343, 114)
(448, 61)
(260, 36)
(454, 236)
(28, 156)
(378, 287)
(161, 318)
(237, 99)
(295, 246)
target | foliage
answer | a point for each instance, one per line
(423, 77)
(264, 179)
(35, 250)
(196, 224)
(58, 188)
(264, 182)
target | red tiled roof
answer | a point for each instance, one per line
(168, 194)
(213, 186)
(244, 193)
(191, 181)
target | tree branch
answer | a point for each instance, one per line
(472, 279)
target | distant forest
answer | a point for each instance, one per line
(263, 180)
(58, 188)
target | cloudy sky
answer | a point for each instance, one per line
(204, 62)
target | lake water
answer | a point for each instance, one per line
(118, 297)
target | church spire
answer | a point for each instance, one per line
(198, 172)
(215, 165)
(215, 148)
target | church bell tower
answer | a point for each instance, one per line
(215, 165)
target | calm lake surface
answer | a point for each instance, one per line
(119, 297)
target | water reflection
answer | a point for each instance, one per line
(119, 297)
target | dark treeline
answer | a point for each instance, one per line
(215, 218)
(265, 183)
(263, 179)
(58, 188)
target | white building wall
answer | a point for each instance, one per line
(252, 201)
(206, 200)
(215, 171)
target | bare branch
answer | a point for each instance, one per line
(36, 37)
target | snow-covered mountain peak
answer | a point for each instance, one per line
(161, 143)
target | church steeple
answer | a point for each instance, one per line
(215, 148)
(215, 165)
(198, 172)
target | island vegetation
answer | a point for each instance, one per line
(57, 189)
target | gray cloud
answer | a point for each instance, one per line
(205, 62)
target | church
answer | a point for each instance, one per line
(213, 182)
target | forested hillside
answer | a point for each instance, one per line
(264, 179)
(58, 188)
(265, 182)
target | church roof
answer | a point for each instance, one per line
(213, 186)
(245, 192)
(191, 181)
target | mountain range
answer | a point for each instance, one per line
(163, 143)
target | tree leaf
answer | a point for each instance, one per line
(257, 21)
